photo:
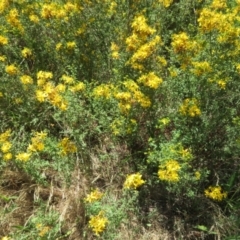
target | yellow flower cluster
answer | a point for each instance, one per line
(169, 171)
(23, 156)
(98, 223)
(103, 90)
(112, 8)
(181, 43)
(141, 28)
(58, 11)
(150, 80)
(36, 145)
(11, 69)
(210, 20)
(42, 230)
(190, 107)
(133, 181)
(26, 52)
(6, 145)
(201, 68)
(218, 4)
(3, 40)
(37, 142)
(67, 146)
(166, 3)
(131, 96)
(143, 52)
(3, 5)
(26, 79)
(215, 193)
(13, 19)
(197, 175)
(48, 92)
(5, 238)
(138, 42)
(115, 50)
(93, 196)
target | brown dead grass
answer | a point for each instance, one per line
(19, 195)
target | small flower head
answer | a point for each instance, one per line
(67, 146)
(133, 181)
(98, 223)
(7, 156)
(25, 79)
(11, 69)
(71, 45)
(93, 196)
(5, 135)
(197, 175)
(6, 146)
(23, 156)
(3, 40)
(26, 52)
(169, 171)
(215, 193)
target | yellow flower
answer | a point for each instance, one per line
(114, 47)
(150, 80)
(197, 175)
(3, 5)
(78, 87)
(71, 45)
(3, 40)
(63, 106)
(6, 238)
(36, 146)
(222, 84)
(67, 80)
(166, 3)
(190, 107)
(67, 146)
(103, 90)
(2, 58)
(115, 55)
(60, 87)
(6, 147)
(133, 181)
(140, 26)
(42, 230)
(7, 156)
(23, 156)
(164, 121)
(169, 171)
(25, 79)
(34, 18)
(219, 4)
(41, 95)
(11, 69)
(26, 52)
(93, 196)
(43, 74)
(162, 61)
(215, 193)
(4, 136)
(13, 19)
(98, 223)
(58, 46)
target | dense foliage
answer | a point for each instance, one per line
(124, 108)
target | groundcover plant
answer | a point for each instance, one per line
(119, 119)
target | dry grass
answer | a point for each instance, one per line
(19, 198)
